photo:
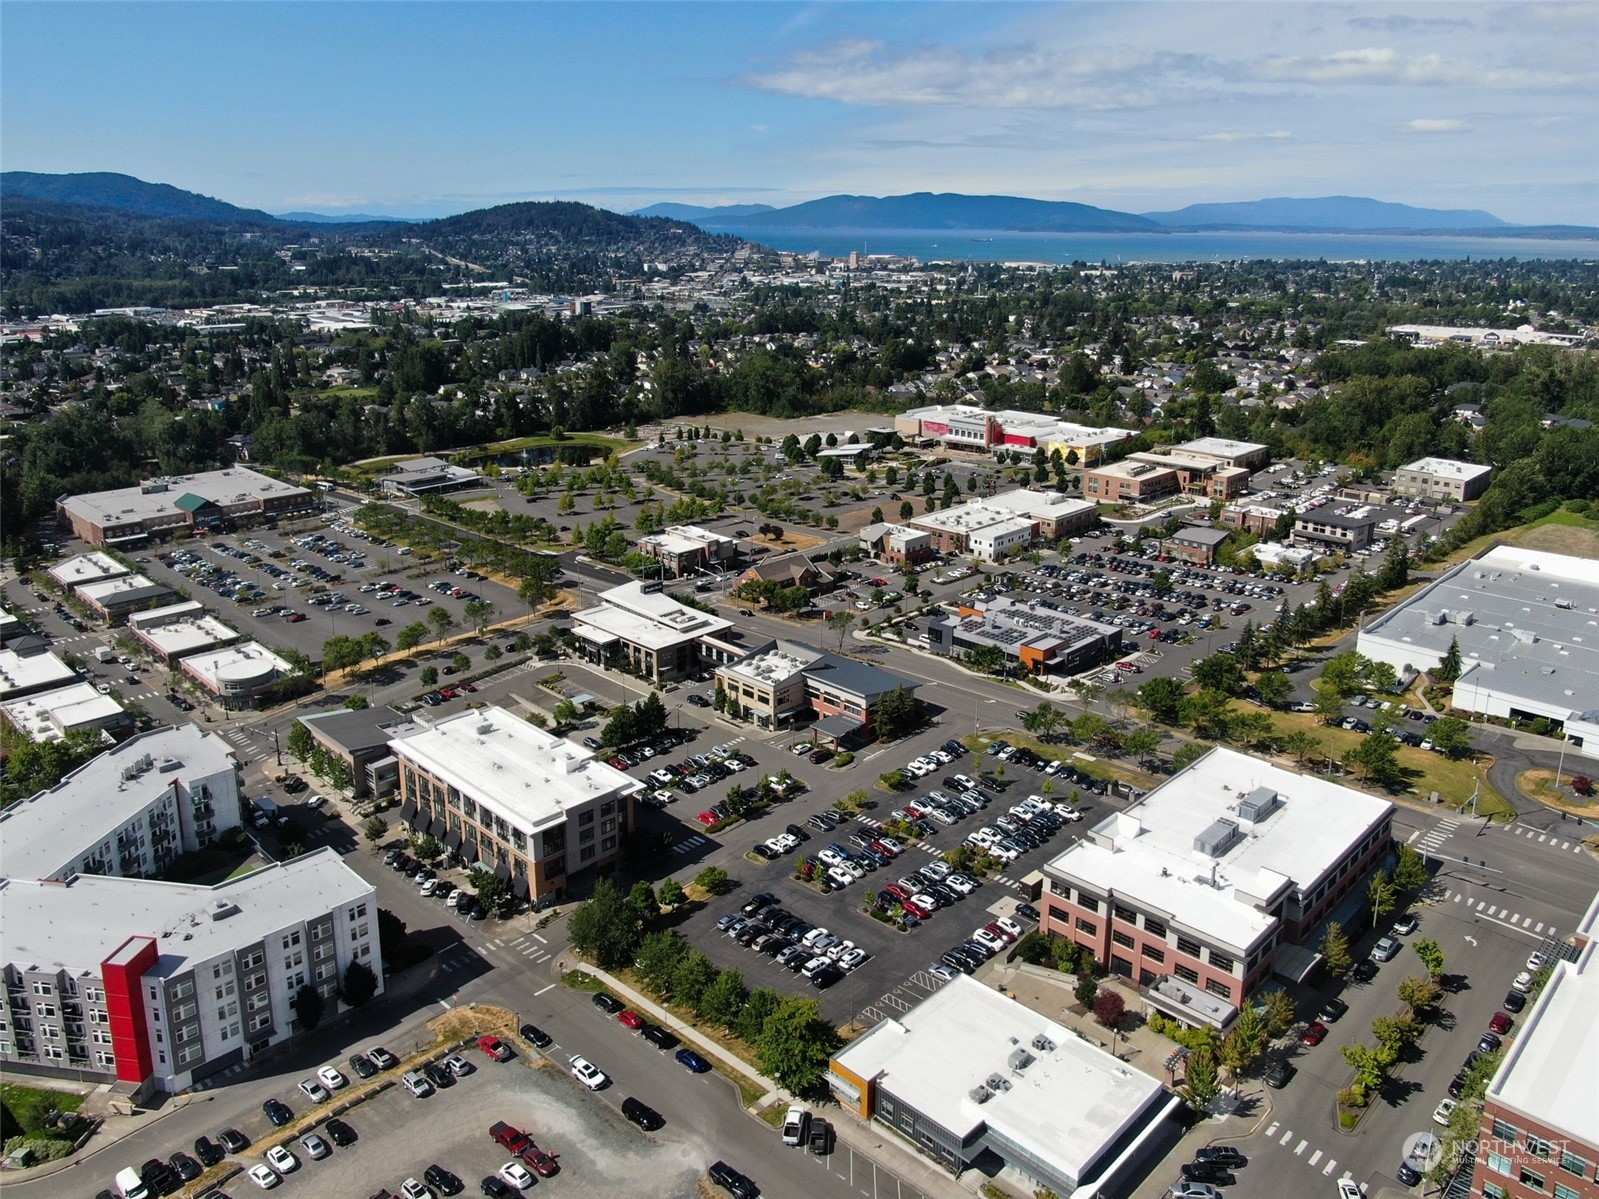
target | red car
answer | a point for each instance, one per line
(468, 687)
(895, 891)
(495, 1048)
(617, 762)
(1315, 1032)
(448, 692)
(510, 1137)
(543, 1164)
(297, 618)
(916, 909)
(1500, 1024)
(631, 1018)
(706, 818)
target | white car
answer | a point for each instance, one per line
(331, 1078)
(281, 1160)
(839, 876)
(264, 1177)
(315, 1147)
(314, 1091)
(1442, 1113)
(983, 937)
(1348, 1188)
(812, 937)
(1067, 812)
(587, 1073)
(1522, 982)
(1010, 926)
(459, 1066)
(938, 871)
(412, 1189)
(853, 958)
(1537, 962)
(517, 1175)
(960, 884)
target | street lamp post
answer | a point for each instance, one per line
(1561, 765)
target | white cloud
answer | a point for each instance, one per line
(1383, 65)
(1432, 125)
(1276, 135)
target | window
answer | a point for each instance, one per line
(291, 939)
(1125, 913)
(1506, 1132)
(1530, 1179)
(1216, 987)
(1187, 973)
(43, 988)
(608, 845)
(54, 1053)
(257, 1023)
(1222, 961)
(45, 1009)
(1087, 901)
(258, 1001)
(1572, 1164)
(252, 959)
(357, 911)
(1086, 926)
(586, 853)
(1187, 945)
(585, 836)
(1155, 928)
(1537, 1146)
(1125, 940)
(1153, 953)
(585, 818)
(1562, 1191)
(107, 1060)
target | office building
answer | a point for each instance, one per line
(1194, 544)
(897, 545)
(1037, 638)
(496, 790)
(1329, 532)
(687, 549)
(1222, 876)
(427, 476)
(784, 682)
(1131, 482)
(1522, 619)
(1443, 479)
(77, 707)
(657, 637)
(235, 676)
(212, 500)
(1197, 474)
(153, 987)
(968, 1073)
(360, 739)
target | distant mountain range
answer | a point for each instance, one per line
(920, 210)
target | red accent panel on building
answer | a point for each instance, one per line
(1019, 439)
(123, 973)
(934, 428)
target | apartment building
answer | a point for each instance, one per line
(128, 812)
(1442, 479)
(1539, 1135)
(1219, 878)
(496, 790)
(153, 987)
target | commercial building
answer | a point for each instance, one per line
(51, 715)
(26, 674)
(11, 629)
(1259, 519)
(534, 808)
(791, 570)
(1246, 455)
(856, 455)
(783, 682)
(973, 1078)
(1037, 638)
(428, 476)
(179, 630)
(1521, 618)
(86, 568)
(128, 812)
(114, 600)
(1194, 544)
(1198, 474)
(1053, 513)
(1220, 877)
(236, 675)
(991, 528)
(153, 987)
(1271, 554)
(360, 740)
(1329, 531)
(1131, 482)
(688, 549)
(1539, 1131)
(1443, 479)
(897, 545)
(968, 427)
(217, 499)
(656, 636)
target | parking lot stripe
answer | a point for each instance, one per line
(1300, 1148)
(1332, 1164)
(1287, 1136)
(1315, 1157)
(541, 990)
(1272, 1131)
(540, 939)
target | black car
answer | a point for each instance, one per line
(340, 1133)
(1514, 1001)
(795, 830)
(495, 1189)
(1488, 1043)
(826, 977)
(642, 1114)
(160, 1178)
(1457, 1085)
(1277, 1075)
(1221, 1155)
(1407, 1174)
(362, 1065)
(658, 1036)
(607, 1003)
(442, 1180)
(208, 1151)
(233, 1140)
(535, 1036)
(731, 1181)
(438, 1075)
(1026, 911)
(278, 1112)
(821, 1138)
(187, 1168)
(1211, 1172)
(1331, 1010)
(1365, 970)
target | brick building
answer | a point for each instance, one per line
(1130, 482)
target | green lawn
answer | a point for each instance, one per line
(28, 1106)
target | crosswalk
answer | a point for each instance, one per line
(1552, 840)
(1498, 914)
(530, 947)
(1436, 836)
(690, 844)
(1317, 1159)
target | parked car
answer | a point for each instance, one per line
(638, 1112)
(731, 1181)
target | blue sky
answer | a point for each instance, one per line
(423, 109)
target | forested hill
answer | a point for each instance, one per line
(124, 193)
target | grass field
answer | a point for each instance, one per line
(1560, 532)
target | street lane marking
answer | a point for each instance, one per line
(1300, 1148)
(541, 991)
(1272, 1131)
(540, 939)
(1287, 1136)
(1315, 1157)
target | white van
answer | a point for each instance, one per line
(130, 1185)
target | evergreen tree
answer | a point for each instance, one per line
(1449, 669)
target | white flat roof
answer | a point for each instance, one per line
(76, 925)
(58, 826)
(1043, 505)
(1448, 468)
(250, 664)
(188, 635)
(127, 505)
(777, 665)
(107, 590)
(651, 619)
(1547, 1072)
(86, 568)
(1223, 447)
(155, 616)
(1069, 1105)
(1147, 852)
(31, 672)
(973, 517)
(529, 776)
(48, 715)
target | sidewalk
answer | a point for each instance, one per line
(868, 1140)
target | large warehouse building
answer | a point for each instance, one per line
(1523, 620)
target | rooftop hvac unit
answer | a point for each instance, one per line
(1043, 1044)
(1218, 838)
(484, 729)
(997, 1083)
(1019, 1059)
(1258, 804)
(979, 1094)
